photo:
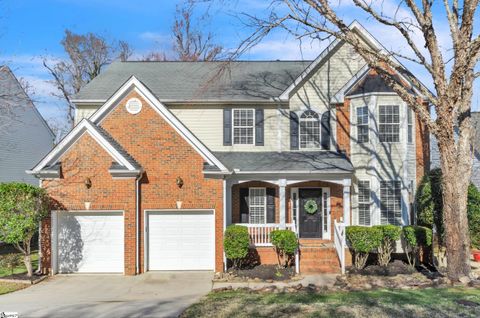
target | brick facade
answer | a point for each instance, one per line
(343, 127)
(164, 155)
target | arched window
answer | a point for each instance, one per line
(309, 130)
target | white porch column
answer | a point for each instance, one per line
(346, 200)
(282, 183)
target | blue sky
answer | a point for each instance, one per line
(31, 30)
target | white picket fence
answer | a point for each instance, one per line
(340, 242)
(260, 233)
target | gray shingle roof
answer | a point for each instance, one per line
(372, 84)
(184, 81)
(311, 161)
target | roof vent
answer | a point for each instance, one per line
(134, 106)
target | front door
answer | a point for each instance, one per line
(310, 208)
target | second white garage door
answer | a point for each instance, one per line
(181, 240)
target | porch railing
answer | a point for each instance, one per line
(340, 242)
(260, 233)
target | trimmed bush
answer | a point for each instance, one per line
(363, 240)
(236, 242)
(285, 243)
(429, 203)
(390, 234)
(416, 237)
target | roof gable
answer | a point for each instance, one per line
(134, 84)
(123, 160)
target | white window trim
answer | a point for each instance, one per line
(370, 202)
(233, 127)
(399, 124)
(402, 203)
(410, 124)
(367, 124)
(264, 204)
(319, 130)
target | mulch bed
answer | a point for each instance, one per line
(394, 268)
(23, 279)
(266, 272)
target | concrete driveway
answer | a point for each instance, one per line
(154, 294)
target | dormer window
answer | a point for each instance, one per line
(309, 130)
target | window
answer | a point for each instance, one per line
(362, 124)
(410, 125)
(257, 205)
(389, 123)
(243, 126)
(390, 202)
(364, 202)
(309, 130)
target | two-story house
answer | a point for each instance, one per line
(165, 155)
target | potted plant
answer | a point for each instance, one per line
(476, 255)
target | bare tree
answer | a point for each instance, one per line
(190, 41)
(87, 55)
(452, 77)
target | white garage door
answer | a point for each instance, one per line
(181, 240)
(90, 242)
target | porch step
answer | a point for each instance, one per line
(319, 259)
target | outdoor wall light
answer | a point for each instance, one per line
(88, 183)
(179, 182)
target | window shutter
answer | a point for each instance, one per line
(326, 130)
(227, 126)
(293, 131)
(259, 127)
(243, 205)
(270, 205)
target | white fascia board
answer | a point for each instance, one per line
(163, 111)
(88, 101)
(82, 127)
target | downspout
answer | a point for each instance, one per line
(224, 220)
(137, 218)
(40, 256)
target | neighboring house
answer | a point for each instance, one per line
(165, 155)
(435, 155)
(24, 134)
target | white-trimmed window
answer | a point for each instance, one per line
(257, 198)
(309, 130)
(410, 125)
(243, 126)
(364, 202)
(362, 124)
(390, 202)
(389, 123)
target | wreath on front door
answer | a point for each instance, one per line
(311, 206)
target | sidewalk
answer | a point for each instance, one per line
(317, 280)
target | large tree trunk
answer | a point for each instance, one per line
(456, 170)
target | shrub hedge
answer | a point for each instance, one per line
(285, 243)
(362, 241)
(390, 234)
(236, 243)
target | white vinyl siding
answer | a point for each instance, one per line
(364, 202)
(390, 202)
(309, 130)
(362, 124)
(389, 123)
(243, 126)
(257, 198)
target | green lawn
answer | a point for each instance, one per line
(10, 287)
(19, 269)
(379, 303)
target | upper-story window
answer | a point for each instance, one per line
(389, 123)
(309, 130)
(362, 124)
(243, 126)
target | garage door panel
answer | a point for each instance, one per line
(90, 242)
(181, 240)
